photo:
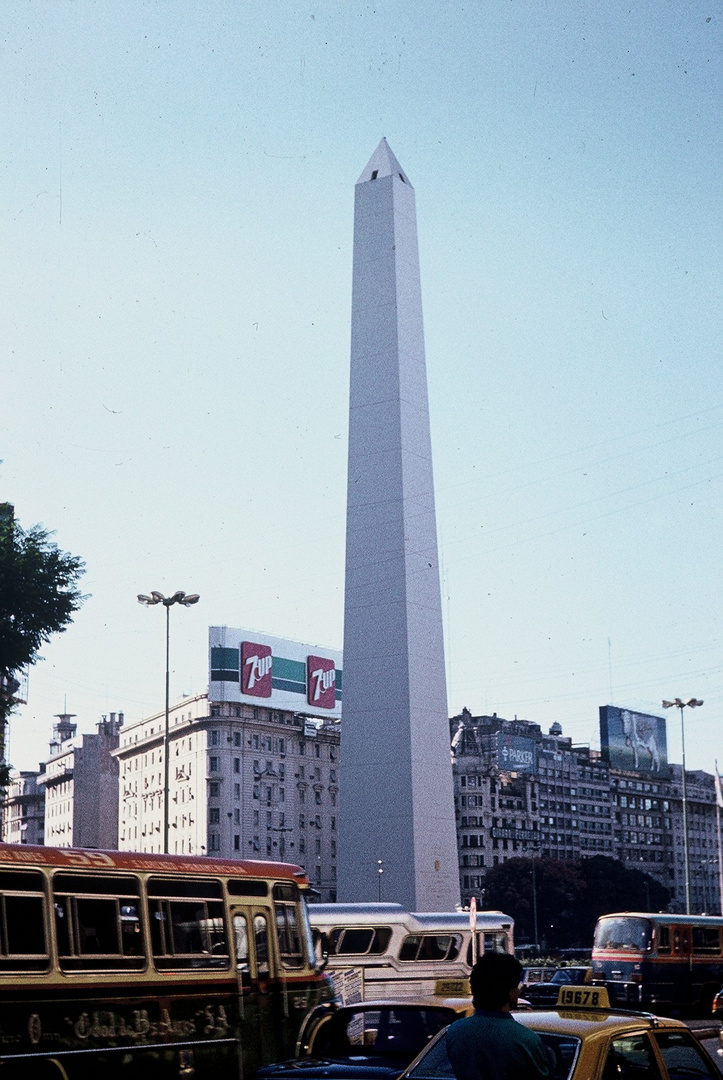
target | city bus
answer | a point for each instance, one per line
(163, 966)
(666, 963)
(380, 951)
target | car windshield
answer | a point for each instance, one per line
(394, 1031)
(562, 1051)
(626, 933)
(569, 975)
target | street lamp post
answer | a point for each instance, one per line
(187, 599)
(678, 704)
(380, 871)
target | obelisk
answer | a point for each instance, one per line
(396, 796)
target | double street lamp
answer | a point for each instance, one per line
(678, 704)
(186, 599)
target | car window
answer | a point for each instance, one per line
(683, 1058)
(631, 1058)
(562, 1052)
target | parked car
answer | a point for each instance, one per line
(370, 1039)
(545, 993)
(594, 1043)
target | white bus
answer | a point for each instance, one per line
(376, 952)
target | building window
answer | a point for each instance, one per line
(214, 815)
(237, 738)
(237, 765)
(214, 842)
(213, 764)
(213, 738)
(237, 842)
(237, 791)
(215, 710)
(214, 789)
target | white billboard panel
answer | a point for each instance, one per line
(258, 669)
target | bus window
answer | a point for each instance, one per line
(706, 940)
(663, 938)
(286, 908)
(421, 947)
(680, 940)
(241, 937)
(495, 942)
(351, 940)
(187, 924)
(97, 922)
(242, 887)
(623, 933)
(261, 941)
(22, 924)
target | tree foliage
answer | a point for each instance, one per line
(570, 896)
(39, 595)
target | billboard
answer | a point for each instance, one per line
(515, 753)
(258, 669)
(633, 740)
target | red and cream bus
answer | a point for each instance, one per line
(158, 966)
(667, 963)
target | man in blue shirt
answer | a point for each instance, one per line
(490, 1044)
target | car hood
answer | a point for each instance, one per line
(330, 1069)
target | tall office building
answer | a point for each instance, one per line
(396, 795)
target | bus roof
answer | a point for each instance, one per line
(91, 859)
(669, 918)
(371, 914)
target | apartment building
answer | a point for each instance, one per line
(81, 785)
(521, 792)
(244, 782)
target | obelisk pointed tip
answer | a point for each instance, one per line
(383, 163)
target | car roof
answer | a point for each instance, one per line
(421, 1002)
(586, 1022)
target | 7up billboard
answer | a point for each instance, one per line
(252, 667)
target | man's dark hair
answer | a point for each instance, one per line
(492, 978)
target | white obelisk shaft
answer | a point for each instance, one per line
(396, 794)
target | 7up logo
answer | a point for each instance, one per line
(320, 682)
(256, 663)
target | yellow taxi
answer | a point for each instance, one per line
(587, 1040)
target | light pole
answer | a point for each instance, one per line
(186, 599)
(678, 704)
(380, 871)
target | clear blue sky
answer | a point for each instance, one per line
(177, 195)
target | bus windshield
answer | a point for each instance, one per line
(624, 932)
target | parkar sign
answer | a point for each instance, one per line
(516, 753)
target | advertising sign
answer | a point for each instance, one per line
(256, 668)
(516, 753)
(256, 665)
(633, 740)
(320, 682)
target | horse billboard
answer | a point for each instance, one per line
(633, 740)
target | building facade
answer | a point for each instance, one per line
(81, 785)
(520, 792)
(246, 781)
(24, 810)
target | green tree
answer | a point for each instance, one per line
(38, 597)
(570, 896)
